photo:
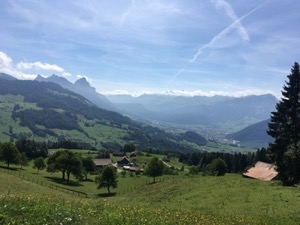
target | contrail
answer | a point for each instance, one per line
(216, 38)
(128, 12)
(230, 13)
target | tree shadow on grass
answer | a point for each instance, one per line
(10, 168)
(35, 173)
(64, 182)
(105, 195)
(89, 180)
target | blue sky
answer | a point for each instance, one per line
(186, 47)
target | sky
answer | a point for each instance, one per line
(190, 47)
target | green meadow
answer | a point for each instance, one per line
(31, 198)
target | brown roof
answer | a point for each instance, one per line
(123, 160)
(102, 162)
(118, 153)
(132, 154)
(261, 171)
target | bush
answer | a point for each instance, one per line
(217, 167)
(193, 170)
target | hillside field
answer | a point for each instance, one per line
(178, 199)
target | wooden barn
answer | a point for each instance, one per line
(100, 163)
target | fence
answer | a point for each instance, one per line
(70, 191)
(43, 183)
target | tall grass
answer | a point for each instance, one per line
(181, 200)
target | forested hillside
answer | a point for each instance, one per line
(45, 110)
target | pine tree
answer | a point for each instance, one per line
(284, 127)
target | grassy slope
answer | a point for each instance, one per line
(176, 200)
(7, 104)
(228, 195)
(96, 132)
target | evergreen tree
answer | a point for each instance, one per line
(284, 127)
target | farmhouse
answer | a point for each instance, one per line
(124, 161)
(100, 163)
(136, 169)
(132, 154)
(117, 153)
(261, 171)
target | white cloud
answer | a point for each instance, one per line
(66, 74)
(7, 66)
(5, 60)
(39, 66)
(87, 78)
(189, 93)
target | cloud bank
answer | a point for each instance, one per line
(7, 66)
(188, 93)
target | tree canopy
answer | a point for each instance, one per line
(108, 178)
(32, 148)
(284, 127)
(67, 162)
(155, 168)
(217, 167)
(23, 160)
(88, 166)
(9, 153)
(39, 164)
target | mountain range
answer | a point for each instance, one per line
(48, 112)
(233, 114)
(198, 109)
(81, 87)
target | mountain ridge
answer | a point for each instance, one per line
(253, 136)
(198, 109)
(81, 87)
(222, 113)
(45, 110)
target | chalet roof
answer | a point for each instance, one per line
(123, 159)
(261, 171)
(133, 154)
(102, 162)
(117, 153)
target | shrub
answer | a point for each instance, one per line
(217, 167)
